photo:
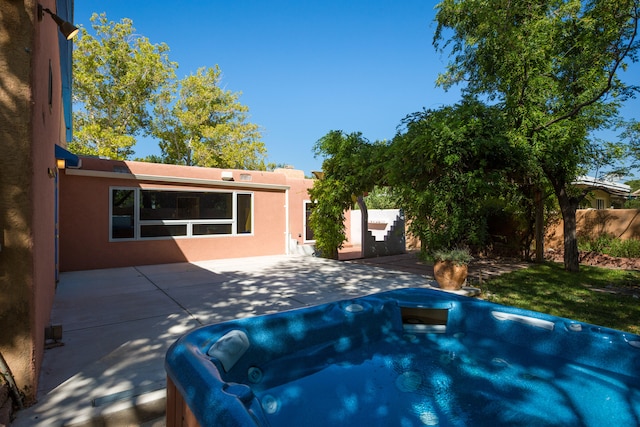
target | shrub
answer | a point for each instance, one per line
(599, 244)
(624, 248)
(610, 245)
(457, 256)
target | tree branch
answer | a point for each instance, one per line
(604, 90)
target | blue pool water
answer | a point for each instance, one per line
(413, 357)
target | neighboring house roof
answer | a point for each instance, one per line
(613, 188)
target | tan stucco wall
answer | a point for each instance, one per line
(84, 216)
(29, 128)
(298, 195)
(622, 223)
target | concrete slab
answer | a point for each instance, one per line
(91, 312)
(119, 323)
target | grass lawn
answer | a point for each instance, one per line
(586, 296)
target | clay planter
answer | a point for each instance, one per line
(449, 275)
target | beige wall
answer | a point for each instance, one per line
(29, 128)
(298, 195)
(84, 214)
(622, 223)
(592, 199)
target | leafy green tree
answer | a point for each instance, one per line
(352, 166)
(200, 124)
(552, 67)
(124, 87)
(381, 197)
(332, 199)
(631, 135)
(450, 168)
(634, 184)
(117, 76)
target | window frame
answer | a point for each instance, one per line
(305, 221)
(138, 224)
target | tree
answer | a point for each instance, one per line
(449, 168)
(117, 75)
(201, 124)
(381, 197)
(124, 87)
(552, 66)
(631, 134)
(634, 184)
(352, 166)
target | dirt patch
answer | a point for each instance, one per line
(598, 260)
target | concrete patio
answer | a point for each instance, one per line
(108, 368)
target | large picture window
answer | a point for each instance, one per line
(146, 214)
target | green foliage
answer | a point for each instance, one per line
(201, 124)
(351, 167)
(599, 244)
(459, 256)
(380, 197)
(610, 245)
(327, 217)
(547, 288)
(631, 135)
(551, 66)
(448, 169)
(116, 77)
(632, 204)
(121, 78)
(629, 248)
(634, 184)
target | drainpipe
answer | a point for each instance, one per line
(6, 373)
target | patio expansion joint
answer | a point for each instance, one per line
(185, 309)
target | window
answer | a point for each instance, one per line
(122, 214)
(308, 232)
(146, 214)
(599, 203)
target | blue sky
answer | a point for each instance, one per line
(303, 67)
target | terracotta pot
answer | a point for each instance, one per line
(449, 275)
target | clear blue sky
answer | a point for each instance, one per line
(303, 67)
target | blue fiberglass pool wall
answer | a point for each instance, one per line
(411, 357)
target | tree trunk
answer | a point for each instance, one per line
(569, 206)
(539, 225)
(364, 227)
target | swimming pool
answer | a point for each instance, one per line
(410, 357)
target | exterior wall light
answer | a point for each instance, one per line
(66, 28)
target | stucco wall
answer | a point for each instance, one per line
(622, 223)
(29, 128)
(84, 215)
(382, 217)
(298, 195)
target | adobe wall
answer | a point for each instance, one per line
(298, 195)
(622, 223)
(29, 128)
(84, 214)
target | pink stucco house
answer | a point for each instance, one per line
(125, 213)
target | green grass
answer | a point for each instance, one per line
(581, 296)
